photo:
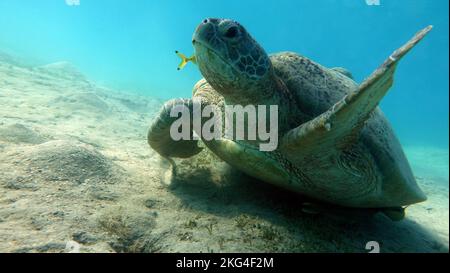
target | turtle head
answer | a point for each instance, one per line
(231, 60)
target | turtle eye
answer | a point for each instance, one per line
(232, 32)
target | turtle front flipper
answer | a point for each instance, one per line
(342, 123)
(160, 139)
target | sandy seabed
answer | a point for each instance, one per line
(77, 175)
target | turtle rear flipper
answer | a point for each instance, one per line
(395, 214)
(344, 120)
(343, 71)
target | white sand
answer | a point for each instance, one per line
(75, 166)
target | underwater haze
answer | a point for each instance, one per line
(130, 45)
(82, 80)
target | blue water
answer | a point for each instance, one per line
(129, 45)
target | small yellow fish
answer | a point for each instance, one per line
(185, 60)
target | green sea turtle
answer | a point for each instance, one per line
(335, 144)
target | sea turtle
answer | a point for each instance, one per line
(335, 144)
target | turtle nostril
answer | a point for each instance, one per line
(205, 21)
